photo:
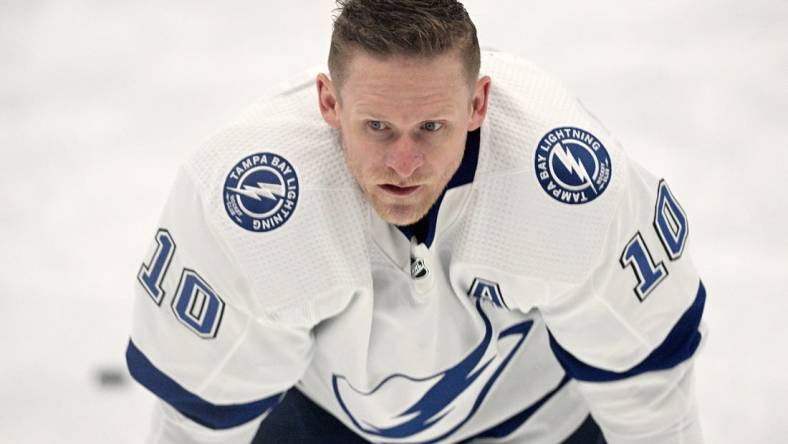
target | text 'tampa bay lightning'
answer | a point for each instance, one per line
(572, 165)
(261, 192)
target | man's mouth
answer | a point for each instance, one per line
(399, 191)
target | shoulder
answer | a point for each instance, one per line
(559, 202)
(284, 127)
(529, 112)
(273, 191)
(550, 174)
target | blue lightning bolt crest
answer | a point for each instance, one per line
(261, 192)
(572, 165)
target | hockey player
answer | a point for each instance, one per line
(433, 245)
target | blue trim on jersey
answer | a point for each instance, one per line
(190, 405)
(680, 345)
(467, 169)
(463, 176)
(505, 428)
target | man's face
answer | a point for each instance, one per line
(403, 123)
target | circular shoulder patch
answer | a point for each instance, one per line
(261, 192)
(572, 165)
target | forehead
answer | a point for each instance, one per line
(404, 81)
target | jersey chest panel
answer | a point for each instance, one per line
(427, 359)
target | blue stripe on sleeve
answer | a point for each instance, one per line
(190, 405)
(680, 345)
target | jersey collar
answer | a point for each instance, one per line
(395, 242)
(463, 176)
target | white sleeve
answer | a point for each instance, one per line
(629, 331)
(650, 408)
(196, 340)
(170, 426)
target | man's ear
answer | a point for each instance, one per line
(327, 100)
(481, 97)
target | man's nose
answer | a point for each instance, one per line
(404, 157)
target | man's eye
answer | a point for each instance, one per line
(432, 126)
(376, 125)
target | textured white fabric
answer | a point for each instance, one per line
(169, 426)
(646, 409)
(599, 318)
(327, 299)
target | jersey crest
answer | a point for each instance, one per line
(428, 409)
(572, 165)
(261, 192)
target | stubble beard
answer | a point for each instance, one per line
(408, 211)
(399, 214)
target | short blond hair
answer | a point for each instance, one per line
(416, 28)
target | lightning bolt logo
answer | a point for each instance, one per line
(573, 165)
(569, 162)
(262, 190)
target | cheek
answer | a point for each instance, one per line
(453, 152)
(360, 156)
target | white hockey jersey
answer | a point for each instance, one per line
(553, 280)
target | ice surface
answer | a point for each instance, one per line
(100, 100)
